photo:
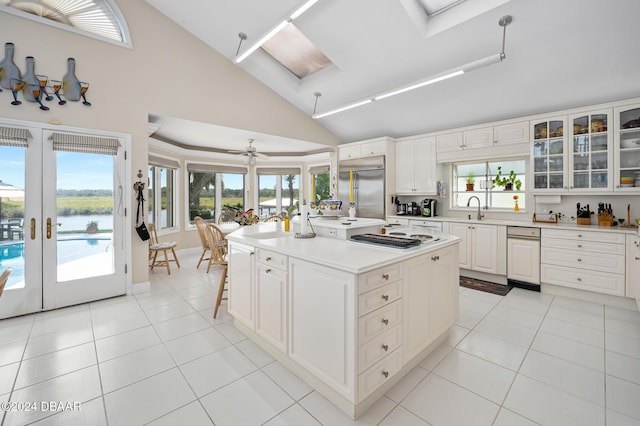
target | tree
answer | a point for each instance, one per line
(200, 182)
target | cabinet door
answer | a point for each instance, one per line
(450, 142)
(523, 260)
(444, 293)
(404, 167)
(511, 134)
(633, 266)
(373, 148)
(322, 318)
(590, 151)
(548, 154)
(271, 305)
(627, 149)
(479, 138)
(415, 313)
(462, 231)
(241, 270)
(347, 152)
(424, 157)
(484, 248)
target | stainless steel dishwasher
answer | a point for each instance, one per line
(523, 257)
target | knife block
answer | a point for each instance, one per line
(583, 221)
(605, 220)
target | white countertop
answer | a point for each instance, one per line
(559, 225)
(343, 255)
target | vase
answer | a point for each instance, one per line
(8, 69)
(508, 187)
(31, 79)
(470, 187)
(70, 83)
(516, 208)
(352, 212)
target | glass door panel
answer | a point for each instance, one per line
(628, 150)
(590, 151)
(549, 155)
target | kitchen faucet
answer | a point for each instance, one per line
(480, 216)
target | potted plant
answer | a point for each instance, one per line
(92, 226)
(507, 181)
(471, 180)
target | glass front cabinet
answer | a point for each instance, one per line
(627, 149)
(549, 155)
(590, 156)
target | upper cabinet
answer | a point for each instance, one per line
(548, 155)
(627, 149)
(369, 148)
(493, 141)
(590, 156)
(416, 166)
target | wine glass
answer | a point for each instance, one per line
(37, 93)
(84, 86)
(43, 79)
(16, 86)
(57, 86)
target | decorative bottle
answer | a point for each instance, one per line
(31, 79)
(8, 68)
(70, 83)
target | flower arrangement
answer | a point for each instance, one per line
(247, 218)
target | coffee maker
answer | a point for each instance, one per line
(429, 207)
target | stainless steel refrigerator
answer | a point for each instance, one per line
(368, 186)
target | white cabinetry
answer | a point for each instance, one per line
(397, 220)
(482, 247)
(370, 148)
(633, 266)
(484, 142)
(548, 154)
(271, 298)
(523, 260)
(627, 149)
(416, 166)
(586, 260)
(241, 272)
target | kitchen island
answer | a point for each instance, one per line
(350, 319)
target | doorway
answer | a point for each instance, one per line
(67, 241)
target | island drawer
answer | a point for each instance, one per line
(380, 372)
(379, 321)
(379, 277)
(272, 258)
(379, 297)
(378, 348)
(601, 237)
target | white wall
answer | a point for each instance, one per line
(168, 72)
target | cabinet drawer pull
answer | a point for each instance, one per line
(385, 276)
(579, 235)
(435, 258)
(385, 321)
(267, 271)
(385, 297)
(637, 258)
(385, 373)
(385, 347)
(579, 260)
(579, 279)
(579, 245)
(268, 259)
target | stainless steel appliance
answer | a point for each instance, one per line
(368, 186)
(429, 207)
(523, 257)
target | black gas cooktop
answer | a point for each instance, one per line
(387, 240)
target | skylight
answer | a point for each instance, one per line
(101, 18)
(433, 7)
(294, 51)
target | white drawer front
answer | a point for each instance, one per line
(601, 237)
(378, 348)
(378, 374)
(581, 246)
(585, 260)
(271, 258)
(379, 277)
(379, 321)
(600, 282)
(379, 297)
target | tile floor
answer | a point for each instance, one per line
(159, 358)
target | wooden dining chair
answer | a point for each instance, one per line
(218, 246)
(156, 247)
(201, 226)
(4, 278)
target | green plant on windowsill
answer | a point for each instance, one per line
(470, 180)
(507, 181)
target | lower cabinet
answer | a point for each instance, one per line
(271, 299)
(241, 271)
(482, 247)
(523, 260)
(633, 266)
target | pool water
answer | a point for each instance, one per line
(12, 255)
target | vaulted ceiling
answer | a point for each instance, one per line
(559, 54)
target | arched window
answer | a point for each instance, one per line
(100, 19)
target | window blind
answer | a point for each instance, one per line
(278, 171)
(13, 136)
(318, 170)
(215, 168)
(85, 144)
(163, 162)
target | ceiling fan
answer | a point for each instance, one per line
(251, 153)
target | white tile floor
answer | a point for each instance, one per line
(160, 358)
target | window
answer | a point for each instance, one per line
(216, 192)
(161, 194)
(99, 19)
(433, 7)
(320, 183)
(278, 191)
(482, 174)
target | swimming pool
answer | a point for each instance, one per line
(69, 249)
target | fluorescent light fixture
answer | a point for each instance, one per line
(294, 15)
(343, 108)
(418, 85)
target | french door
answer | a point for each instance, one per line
(69, 180)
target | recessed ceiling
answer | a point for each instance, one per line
(559, 54)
